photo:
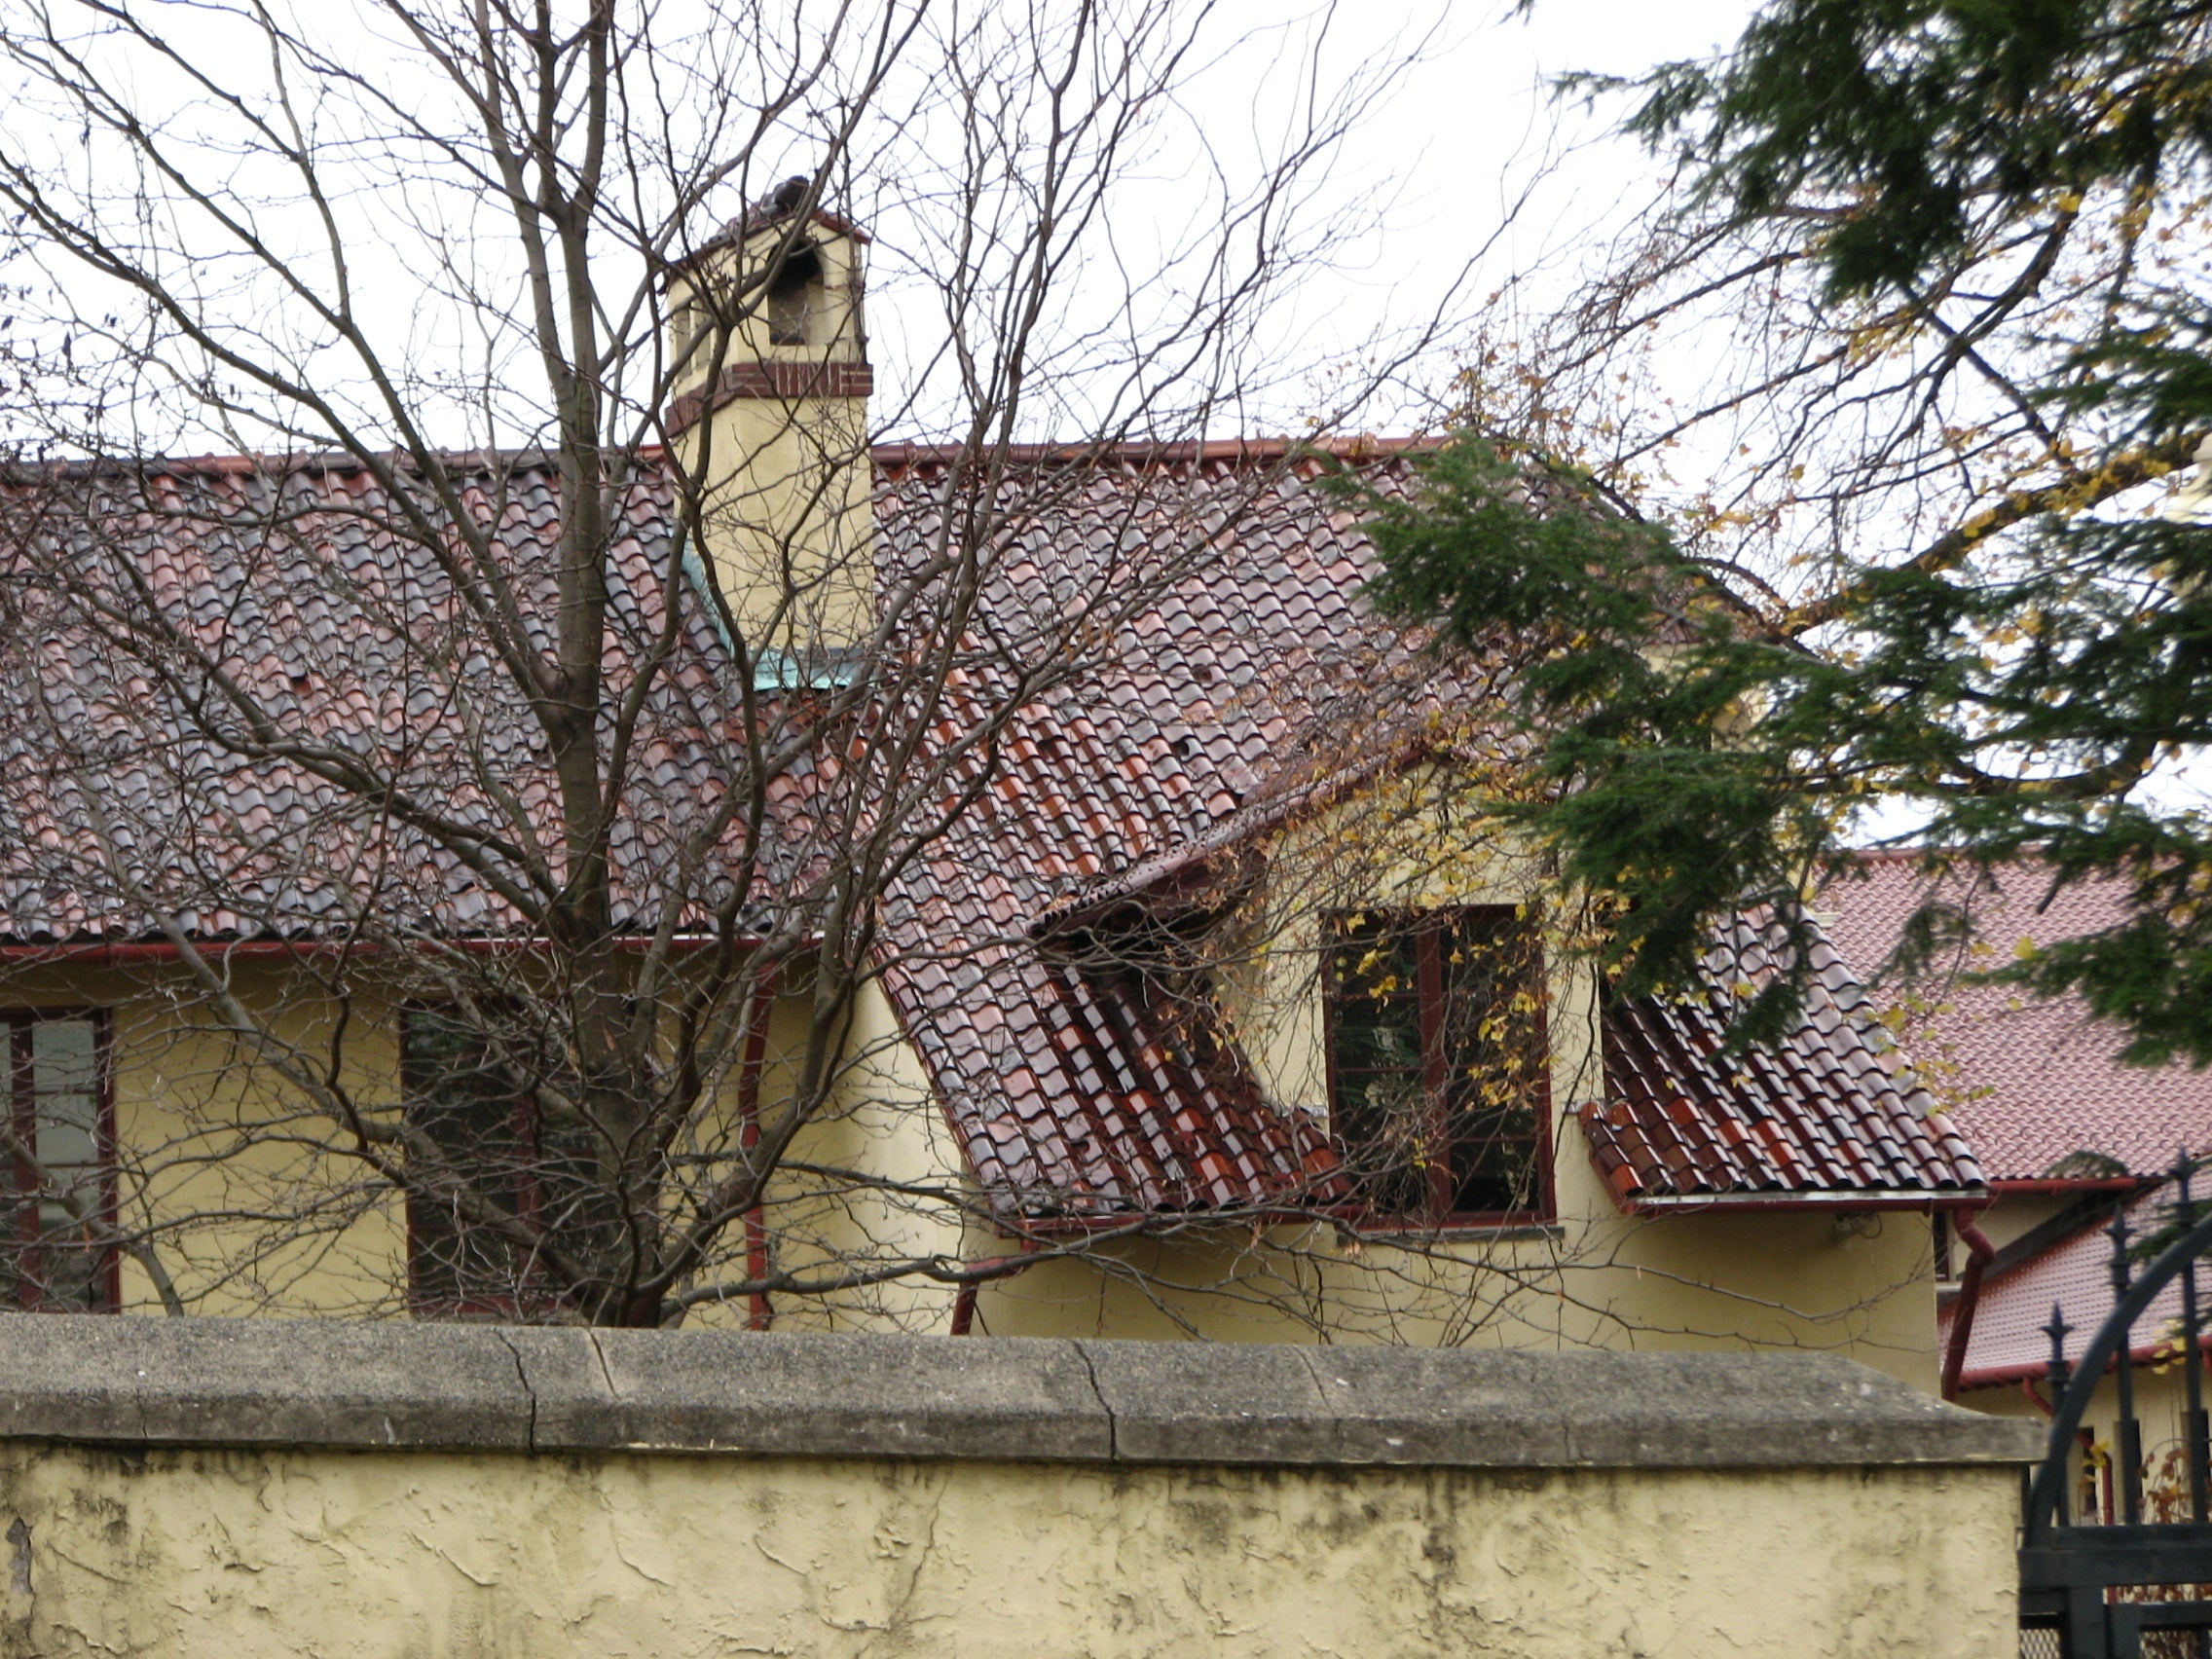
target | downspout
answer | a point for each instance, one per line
(1980, 1253)
(964, 1299)
(759, 1314)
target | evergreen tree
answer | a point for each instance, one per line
(1970, 234)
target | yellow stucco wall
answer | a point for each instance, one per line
(204, 1131)
(214, 1147)
(437, 1555)
(786, 511)
(1595, 1278)
(1798, 1282)
(882, 1119)
(1862, 1285)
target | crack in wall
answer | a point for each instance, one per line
(897, 1620)
(522, 1376)
(1113, 1423)
(599, 1354)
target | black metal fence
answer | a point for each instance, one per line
(2116, 1552)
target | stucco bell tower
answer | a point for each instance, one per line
(770, 415)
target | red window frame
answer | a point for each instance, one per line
(29, 1245)
(1428, 931)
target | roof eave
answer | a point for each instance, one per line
(2037, 1370)
(1927, 1200)
(116, 953)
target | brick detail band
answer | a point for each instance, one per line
(779, 380)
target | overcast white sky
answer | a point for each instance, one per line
(1427, 181)
(1472, 122)
(1471, 129)
(1441, 164)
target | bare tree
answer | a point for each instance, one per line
(501, 801)
(1706, 371)
(499, 779)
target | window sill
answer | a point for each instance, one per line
(1453, 1230)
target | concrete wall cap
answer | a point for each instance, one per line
(149, 1381)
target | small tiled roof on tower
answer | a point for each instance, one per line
(780, 204)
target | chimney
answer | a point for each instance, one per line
(769, 415)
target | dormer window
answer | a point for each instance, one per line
(1439, 1066)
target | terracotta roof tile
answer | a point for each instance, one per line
(1684, 1121)
(2034, 1084)
(1074, 1092)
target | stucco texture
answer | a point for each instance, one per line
(208, 1136)
(440, 1556)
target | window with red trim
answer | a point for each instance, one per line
(462, 1098)
(61, 1162)
(1439, 1066)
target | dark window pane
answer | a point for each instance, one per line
(58, 1109)
(462, 1097)
(1378, 1068)
(1497, 1059)
(1438, 1060)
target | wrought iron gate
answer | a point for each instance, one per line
(2130, 1585)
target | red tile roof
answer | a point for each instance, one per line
(281, 579)
(1077, 1086)
(1153, 767)
(2009, 1341)
(1067, 1076)
(2033, 1083)
(1825, 1112)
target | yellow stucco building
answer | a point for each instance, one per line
(1046, 902)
